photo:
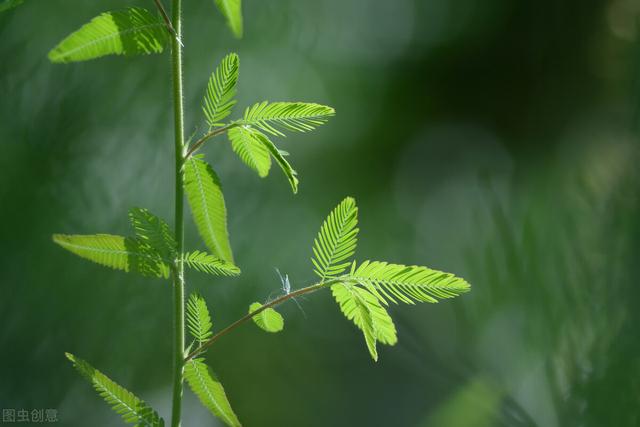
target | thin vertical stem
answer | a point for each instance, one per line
(178, 276)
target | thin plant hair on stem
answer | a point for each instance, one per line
(362, 289)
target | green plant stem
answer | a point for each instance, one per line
(248, 316)
(178, 276)
(207, 136)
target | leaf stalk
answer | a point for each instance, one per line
(248, 316)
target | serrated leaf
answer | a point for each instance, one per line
(336, 242)
(232, 11)
(132, 31)
(251, 150)
(132, 409)
(9, 4)
(117, 252)
(198, 318)
(279, 157)
(204, 193)
(210, 391)
(221, 90)
(294, 116)
(268, 320)
(407, 284)
(154, 231)
(207, 263)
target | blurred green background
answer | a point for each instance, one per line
(496, 139)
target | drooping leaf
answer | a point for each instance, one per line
(336, 242)
(132, 31)
(268, 320)
(120, 253)
(295, 116)
(204, 193)
(355, 308)
(154, 231)
(407, 283)
(279, 157)
(221, 90)
(132, 409)
(9, 4)
(251, 150)
(232, 11)
(198, 318)
(210, 391)
(207, 263)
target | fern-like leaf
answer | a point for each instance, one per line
(294, 116)
(132, 409)
(221, 90)
(10, 4)
(363, 308)
(279, 157)
(131, 31)
(207, 263)
(268, 320)
(210, 391)
(117, 252)
(204, 193)
(407, 284)
(251, 150)
(198, 318)
(337, 240)
(355, 308)
(154, 231)
(232, 11)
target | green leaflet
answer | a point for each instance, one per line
(337, 240)
(268, 320)
(204, 193)
(120, 253)
(153, 231)
(251, 150)
(364, 309)
(232, 11)
(10, 4)
(132, 31)
(198, 318)
(293, 116)
(207, 263)
(132, 409)
(279, 157)
(221, 90)
(407, 283)
(210, 391)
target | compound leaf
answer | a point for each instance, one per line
(132, 409)
(218, 100)
(204, 193)
(251, 150)
(130, 31)
(207, 263)
(407, 283)
(294, 116)
(232, 11)
(198, 318)
(154, 231)
(210, 391)
(268, 320)
(354, 305)
(336, 242)
(279, 156)
(118, 252)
